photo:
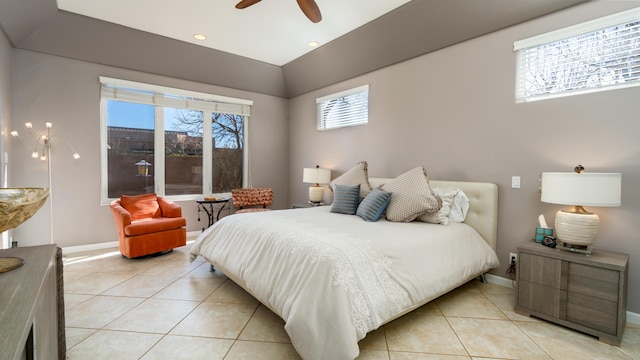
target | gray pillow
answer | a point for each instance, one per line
(346, 199)
(373, 206)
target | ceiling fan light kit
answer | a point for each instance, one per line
(308, 7)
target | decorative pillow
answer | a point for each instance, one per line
(346, 199)
(357, 175)
(441, 216)
(459, 207)
(141, 206)
(411, 197)
(372, 207)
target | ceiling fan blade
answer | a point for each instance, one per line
(246, 3)
(311, 10)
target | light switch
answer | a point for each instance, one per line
(515, 182)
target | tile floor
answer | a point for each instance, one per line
(168, 308)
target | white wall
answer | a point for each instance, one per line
(67, 93)
(453, 111)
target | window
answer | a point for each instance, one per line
(173, 142)
(346, 108)
(598, 55)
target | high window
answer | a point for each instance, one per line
(346, 108)
(176, 143)
(598, 55)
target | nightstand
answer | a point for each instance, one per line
(585, 293)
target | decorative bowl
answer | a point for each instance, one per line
(17, 205)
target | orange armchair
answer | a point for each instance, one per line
(148, 224)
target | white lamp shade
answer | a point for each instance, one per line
(316, 175)
(586, 189)
(579, 227)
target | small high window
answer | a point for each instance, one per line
(597, 55)
(346, 108)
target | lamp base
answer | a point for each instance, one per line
(577, 228)
(316, 194)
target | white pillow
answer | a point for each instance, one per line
(455, 205)
(459, 207)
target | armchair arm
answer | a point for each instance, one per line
(121, 216)
(169, 209)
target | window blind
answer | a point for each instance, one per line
(597, 55)
(346, 108)
(123, 90)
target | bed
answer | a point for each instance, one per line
(333, 278)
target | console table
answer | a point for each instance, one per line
(31, 305)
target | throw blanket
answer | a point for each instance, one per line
(332, 277)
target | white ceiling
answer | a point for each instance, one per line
(271, 31)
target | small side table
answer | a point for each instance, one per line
(585, 293)
(307, 205)
(213, 214)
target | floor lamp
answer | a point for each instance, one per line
(42, 151)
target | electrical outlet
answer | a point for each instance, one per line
(513, 258)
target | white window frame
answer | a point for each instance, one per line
(357, 113)
(124, 90)
(588, 27)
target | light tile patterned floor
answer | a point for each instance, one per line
(168, 308)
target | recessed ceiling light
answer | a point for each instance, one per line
(199, 37)
(313, 43)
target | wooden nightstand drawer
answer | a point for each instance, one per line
(593, 313)
(529, 292)
(594, 282)
(541, 270)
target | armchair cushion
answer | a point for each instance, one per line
(141, 206)
(146, 226)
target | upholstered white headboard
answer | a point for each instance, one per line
(483, 205)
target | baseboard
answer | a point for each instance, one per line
(632, 317)
(90, 247)
(498, 280)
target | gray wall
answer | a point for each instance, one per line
(5, 120)
(453, 111)
(5, 101)
(67, 93)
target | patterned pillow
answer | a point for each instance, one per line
(372, 207)
(346, 199)
(411, 197)
(441, 216)
(357, 175)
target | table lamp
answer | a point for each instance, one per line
(316, 176)
(577, 228)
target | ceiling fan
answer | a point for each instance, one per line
(308, 7)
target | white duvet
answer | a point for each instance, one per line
(333, 277)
